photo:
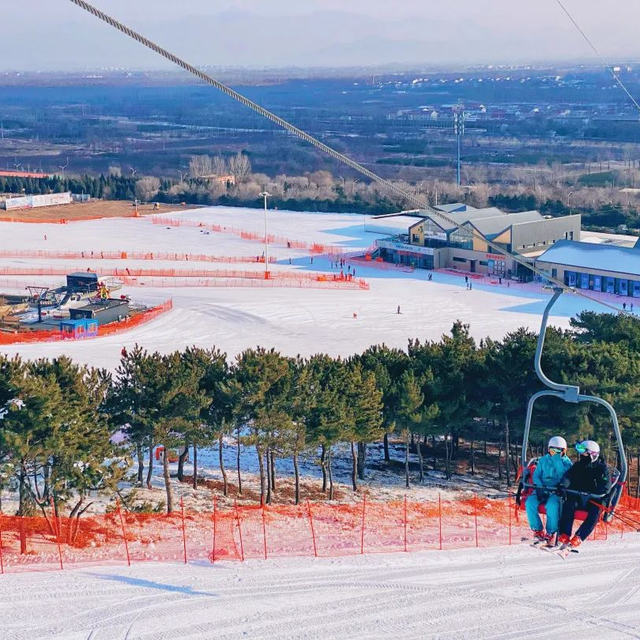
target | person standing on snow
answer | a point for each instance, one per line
(589, 475)
(550, 471)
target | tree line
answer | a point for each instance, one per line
(71, 432)
(230, 182)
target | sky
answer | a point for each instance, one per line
(56, 35)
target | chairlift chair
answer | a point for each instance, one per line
(571, 394)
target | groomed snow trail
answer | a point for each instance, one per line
(495, 593)
(294, 321)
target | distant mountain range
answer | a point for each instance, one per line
(238, 38)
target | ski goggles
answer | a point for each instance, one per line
(556, 451)
(581, 448)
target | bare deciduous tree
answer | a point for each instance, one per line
(219, 166)
(200, 166)
(147, 188)
(239, 167)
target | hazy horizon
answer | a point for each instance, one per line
(59, 36)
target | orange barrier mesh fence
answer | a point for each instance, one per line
(132, 255)
(380, 264)
(242, 532)
(312, 247)
(249, 283)
(129, 275)
(57, 219)
(27, 337)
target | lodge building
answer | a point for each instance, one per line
(434, 243)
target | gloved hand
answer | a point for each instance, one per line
(542, 494)
(560, 491)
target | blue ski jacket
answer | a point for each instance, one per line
(550, 470)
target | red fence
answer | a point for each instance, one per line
(27, 337)
(312, 247)
(132, 255)
(241, 532)
(271, 282)
(56, 219)
(130, 276)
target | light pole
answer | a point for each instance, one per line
(265, 195)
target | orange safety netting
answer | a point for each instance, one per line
(132, 255)
(58, 220)
(287, 282)
(312, 247)
(242, 532)
(130, 276)
(378, 263)
(27, 337)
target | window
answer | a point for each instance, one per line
(462, 238)
(459, 259)
(484, 263)
(416, 237)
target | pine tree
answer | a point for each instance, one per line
(264, 378)
(363, 405)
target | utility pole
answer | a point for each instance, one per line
(265, 195)
(458, 129)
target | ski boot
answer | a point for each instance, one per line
(570, 546)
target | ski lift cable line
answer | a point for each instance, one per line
(607, 66)
(388, 186)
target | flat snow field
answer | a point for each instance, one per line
(294, 321)
(505, 593)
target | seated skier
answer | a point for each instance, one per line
(550, 470)
(589, 475)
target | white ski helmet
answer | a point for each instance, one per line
(557, 442)
(592, 448)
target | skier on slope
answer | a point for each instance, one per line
(550, 471)
(589, 475)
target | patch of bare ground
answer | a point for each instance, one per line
(88, 211)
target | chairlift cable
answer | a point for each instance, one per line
(389, 186)
(607, 66)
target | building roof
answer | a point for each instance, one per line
(462, 217)
(454, 207)
(611, 239)
(584, 255)
(497, 224)
(489, 221)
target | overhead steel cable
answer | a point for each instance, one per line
(336, 155)
(607, 66)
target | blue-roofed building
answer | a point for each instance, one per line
(597, 267)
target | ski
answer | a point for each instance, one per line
(564, 553)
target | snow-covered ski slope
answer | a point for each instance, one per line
(499, 593)
(295, 321)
